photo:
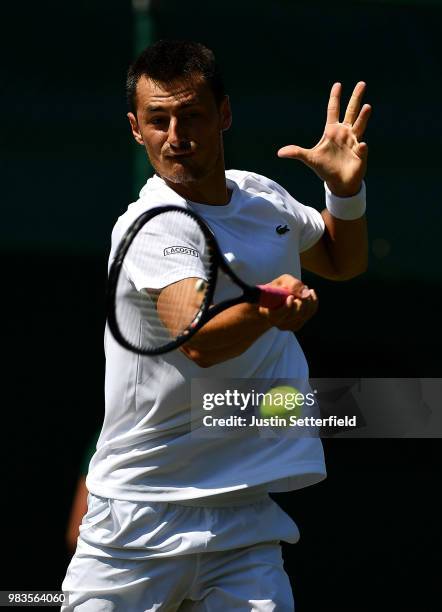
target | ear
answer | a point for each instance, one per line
(226, 113)
(135, 129)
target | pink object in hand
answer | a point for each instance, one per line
(272, 297)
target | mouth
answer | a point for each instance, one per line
(179, 156)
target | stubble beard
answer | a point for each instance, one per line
(193, 174)
(184, 175)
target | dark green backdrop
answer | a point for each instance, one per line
(68, 172)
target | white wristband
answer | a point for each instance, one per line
(346, 208)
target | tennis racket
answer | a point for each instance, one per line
(162, 282)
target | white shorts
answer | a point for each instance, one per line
(138, 557)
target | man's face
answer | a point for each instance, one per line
(180, 126)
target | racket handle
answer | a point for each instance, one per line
(272, 297)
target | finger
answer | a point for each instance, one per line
(355, 103)
(310, 294)
(334, 103)
(314, 296)
(308, 310)
(307, 307)
(297, 305)
(293, 152)
(283, 317)
(311, 298)
(305, 293)
(289, 282)
(312, 301)
(293, 305)
(361, 122)
(362, 151)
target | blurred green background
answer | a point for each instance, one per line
(68, 160)
(70, 167)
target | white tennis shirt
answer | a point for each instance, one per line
(146, 451)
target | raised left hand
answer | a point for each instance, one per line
(339, 158)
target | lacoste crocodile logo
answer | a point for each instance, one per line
(282, 229)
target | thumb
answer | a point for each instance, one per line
(293, 152)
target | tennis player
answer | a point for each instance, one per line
(175, 521)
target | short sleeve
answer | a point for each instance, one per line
(312, 226)
(308, 221)
(163, 253)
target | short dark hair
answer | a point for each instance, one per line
(167, 61)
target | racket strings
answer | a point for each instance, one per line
(163, 286)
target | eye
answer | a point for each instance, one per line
(158, 120)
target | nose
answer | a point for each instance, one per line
(176, 137)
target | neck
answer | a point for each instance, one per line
(211, 190)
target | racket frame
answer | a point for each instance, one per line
(251, 294)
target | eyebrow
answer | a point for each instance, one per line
(154, 109)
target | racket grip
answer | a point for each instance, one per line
(272, 297)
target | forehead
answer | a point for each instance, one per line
(151, 94)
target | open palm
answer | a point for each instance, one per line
(339, 158)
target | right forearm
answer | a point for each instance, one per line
(227, 335)
(234, 330)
